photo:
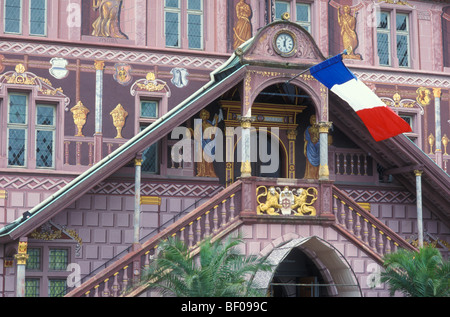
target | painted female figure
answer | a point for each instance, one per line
(108, 22)
(243, 28)
(312, 150)
(347, 22)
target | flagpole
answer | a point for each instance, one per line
(307, 70)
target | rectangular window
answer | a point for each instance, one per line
(58, 260)
(304, 15)
(38, 17)
(150, 158)
(402, 28)
(281, 7)
(32, 287)
(383, 38)
(17, 129)
(57, 288)
(149, 109)
(195, 24)
(393, 39)
(45, 136)
(34, 259)
(183, 19)
(13, 16)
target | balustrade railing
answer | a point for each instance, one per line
(353, 165)
(364, 228)
(210, 219)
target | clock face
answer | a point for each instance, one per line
(285, 44)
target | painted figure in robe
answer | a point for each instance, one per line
(243, 27)
(347, 22)
(108, 22)
(312, 150)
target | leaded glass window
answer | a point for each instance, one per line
(149, 109)
(172, 23)
(304, 15)
(13, 16)
(402, 27)
(150, 158)
(383, 38)
(34, 259)
(38, 19)
(17, 129)
(45, 134)
(195, 24)
(32, 287)
(281, 7)
(57, 288)
(58, 259)
(189, 11)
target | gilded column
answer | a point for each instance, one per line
(437, 114)
(246, 168)
(324, 171)
(21, 258)
(137, 199)
(292, 137)
(418, 174)
(98, 136)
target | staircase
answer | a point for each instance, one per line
(216, 217)
(222, 215)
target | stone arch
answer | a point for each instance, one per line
(335, 271)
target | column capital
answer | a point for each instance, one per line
(22, 255)
(99, 65)
(437, 92)
(138, 162)
(292, 135)
(246, 122)
(324, 127)
(418, 172)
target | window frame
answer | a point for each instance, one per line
(293, 6)
(45, 20)
(25, 19)
(20, 19)
(45, 274)
(183, 13)
(30, 156)
(393, 52)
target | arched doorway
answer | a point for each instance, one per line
(308, 267)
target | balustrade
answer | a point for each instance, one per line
(207, 220)
(353, 165)
(367, 229)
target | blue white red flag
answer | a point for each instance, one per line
(380, 120)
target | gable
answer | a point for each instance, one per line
(267, 47)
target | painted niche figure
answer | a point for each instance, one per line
(205, 165)
(107, 24)
(347, 22)
(243, 27)
(312, 150)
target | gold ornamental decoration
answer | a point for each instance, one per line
(80, 113)
(276, 201)
(119, 116)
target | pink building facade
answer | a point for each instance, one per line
(95, 97)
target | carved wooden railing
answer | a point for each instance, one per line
(363, 228)
(212, 218)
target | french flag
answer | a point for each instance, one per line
(380, 120)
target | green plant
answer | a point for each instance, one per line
(417, 274)
(218, 270)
